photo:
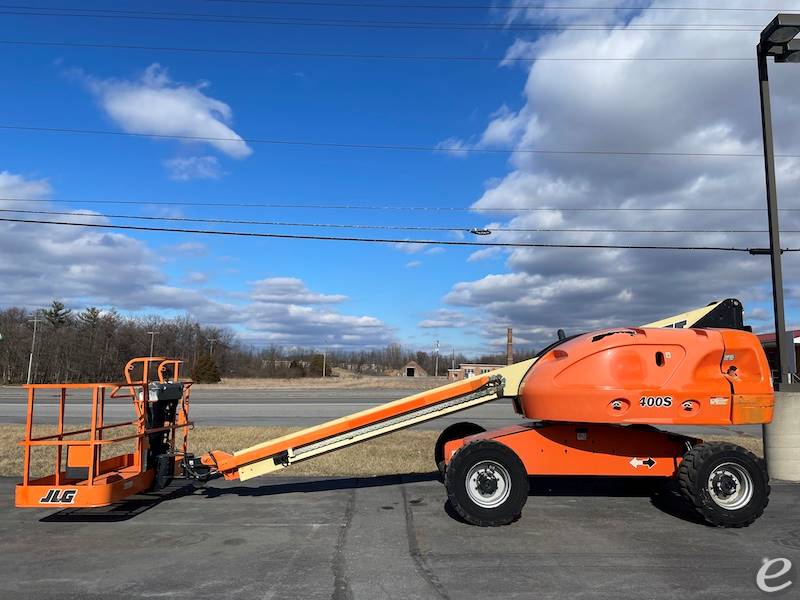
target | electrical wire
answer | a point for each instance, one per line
(344, 55)
(387, 207)
(492, 6)
(464, 229)
(24, 10)
(407, 148)
(290, 236)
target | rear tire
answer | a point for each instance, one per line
(487, 484)
(727, 484)
(456, 431)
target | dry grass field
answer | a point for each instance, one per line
(401, 452)
(343, 382)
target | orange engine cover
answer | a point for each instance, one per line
(657, 376)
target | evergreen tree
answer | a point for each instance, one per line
(58, 315)
(206, 370)
(90, 317)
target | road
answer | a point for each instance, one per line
(388, 537)
(282, 407)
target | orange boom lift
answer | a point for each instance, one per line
(591, 402)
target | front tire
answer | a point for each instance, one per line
(727, 484)
(487, 484)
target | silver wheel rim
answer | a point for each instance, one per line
(488, 484)
(730, 486)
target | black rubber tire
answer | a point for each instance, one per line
(456, 431)
(165, 469)
(455, 483)
(697, 466)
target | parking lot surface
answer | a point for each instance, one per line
(387, 537)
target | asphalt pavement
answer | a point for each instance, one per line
(281, 407)
(389, 537)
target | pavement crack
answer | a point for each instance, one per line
(341, 585)
(420, 563)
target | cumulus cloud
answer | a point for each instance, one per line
(78, 264)
(291, 290)
(193, 167)
(298, 325)
(18, 187)
(84, 266)
(283, 310)
(154, 104)
(658, 106)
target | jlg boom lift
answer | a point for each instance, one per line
(591, 401)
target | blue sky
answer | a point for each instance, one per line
(415, 297)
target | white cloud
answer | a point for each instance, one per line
(413, 264)
(193, 167)
(519, 52)
(659, 106)
(504, 128)
(154, 104)
(290, 290)
(83, 266)
(16, 186)
(444, 319)
(454, 147)
(485, 254)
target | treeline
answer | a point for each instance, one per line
(94, 345)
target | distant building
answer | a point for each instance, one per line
(413, 369)
(771, 350)
(467, 370)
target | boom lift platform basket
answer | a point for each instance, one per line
(89, 470)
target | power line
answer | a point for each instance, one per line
(490, 6)
(21, 10)
(346, 55)
(390, 207)
(463, 228)
(407, 148)
(328, 238)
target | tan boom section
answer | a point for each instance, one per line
(281, 452)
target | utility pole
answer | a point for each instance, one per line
(510, 346)
(323, 363)
(453, 361)
(35, 320)
(211, 345)
(152, 335)
(436, 359)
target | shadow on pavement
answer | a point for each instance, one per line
(121, 511)
(320, 485)
(664, 495)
